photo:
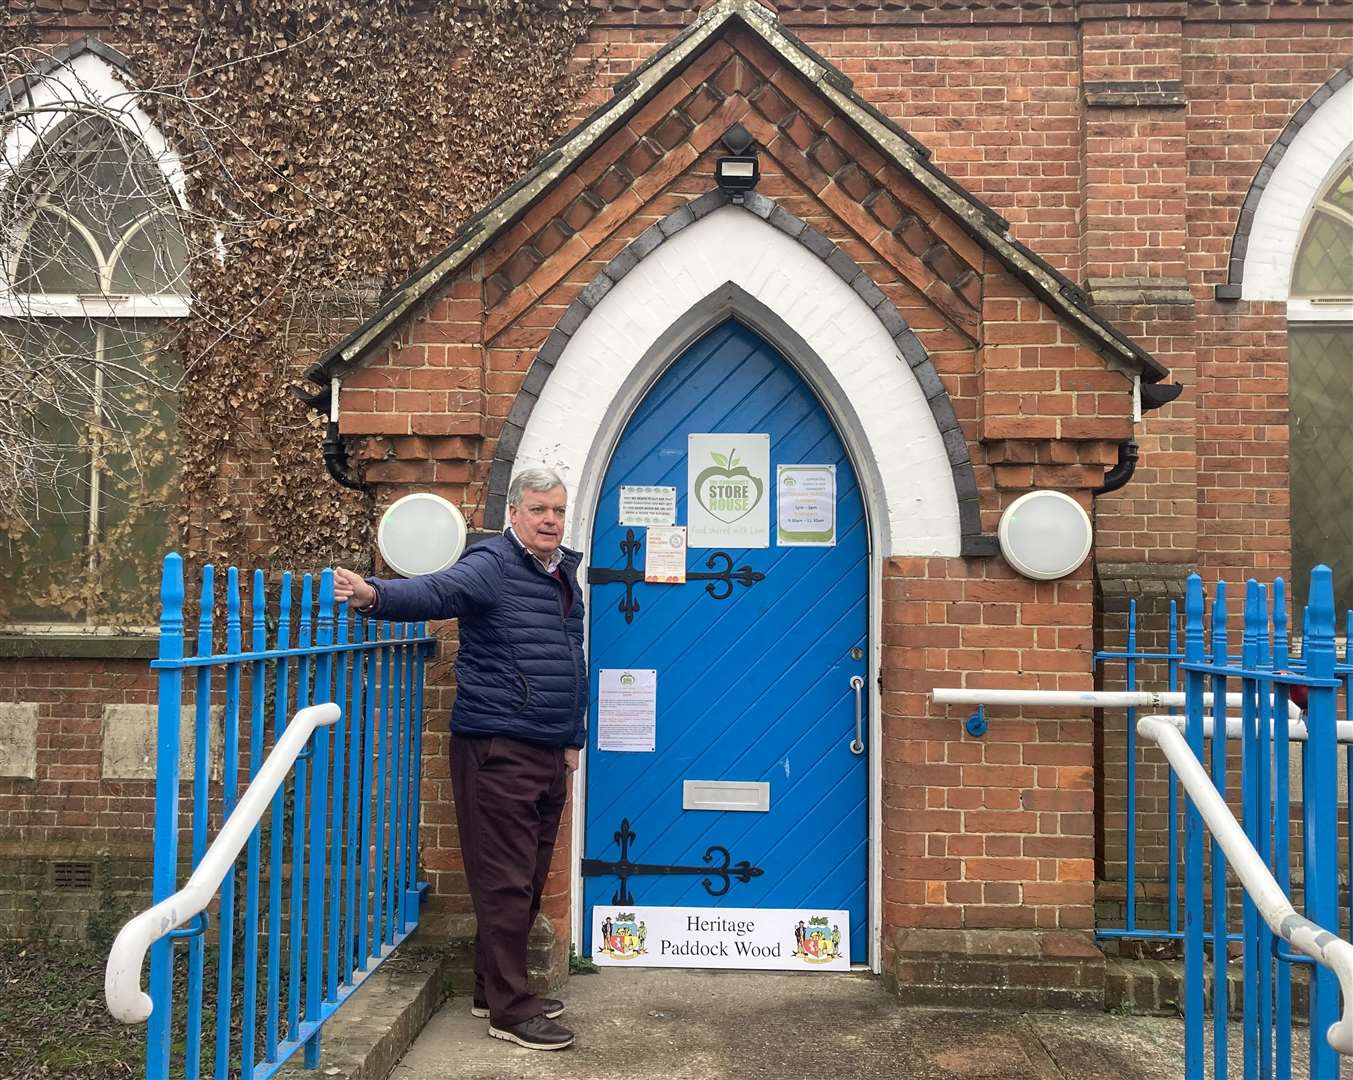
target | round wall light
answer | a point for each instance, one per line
(421, 534)
(1045, 534)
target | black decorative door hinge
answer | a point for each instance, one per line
(719, 583)
(624, 869)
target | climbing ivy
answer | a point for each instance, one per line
(331, 147)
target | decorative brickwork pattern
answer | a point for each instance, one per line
(526, 301)
(908, 347)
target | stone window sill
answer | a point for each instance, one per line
(58, 643)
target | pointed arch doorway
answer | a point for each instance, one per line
(761, 676)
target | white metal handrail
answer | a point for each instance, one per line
(122, 978)
(1235, 727)
(1087, 699)
(1319, 944)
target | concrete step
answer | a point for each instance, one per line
(1156, 987)
(674, 1024)
(999, 969)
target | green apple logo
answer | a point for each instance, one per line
(726, 489)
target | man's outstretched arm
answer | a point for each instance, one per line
(444, 595)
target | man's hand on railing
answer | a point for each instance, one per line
(353, 588)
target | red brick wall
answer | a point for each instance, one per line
(1134, 156)
(68, 805)
(68, 813)
(997, 831)
(1111, 192)
(1155, 517)
(1039, 382)
(1245, 80)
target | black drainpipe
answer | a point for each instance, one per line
(336, 458)
(1121, 473)
(335, 446)
(1153, 396)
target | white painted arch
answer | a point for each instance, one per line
(869, 391)
(85, 84)
(1321, 145)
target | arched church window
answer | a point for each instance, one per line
(96, 219)
(92, 278)
(1320, 351)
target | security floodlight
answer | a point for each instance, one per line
(737, 174)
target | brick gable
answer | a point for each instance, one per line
(978, 834)
(1014, 371)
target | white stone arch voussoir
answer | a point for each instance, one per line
(90, 79)
(1317, 140)
(709, 261)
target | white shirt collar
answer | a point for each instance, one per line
(549, 565)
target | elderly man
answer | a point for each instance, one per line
(518, 723)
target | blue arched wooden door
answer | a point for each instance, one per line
(754, 681)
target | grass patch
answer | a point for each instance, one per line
(580, 965)
(72, 1057)
(53, 1023)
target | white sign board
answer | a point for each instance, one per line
(778, 939)
(805, 505)
(627, 709)
(642, 505)
(665, 556)
(727, 482)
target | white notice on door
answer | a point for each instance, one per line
(807, 505)
(627, 709)
(647, 505)
(665, 560)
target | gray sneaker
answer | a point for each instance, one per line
(552, 1008)
(537, 1033)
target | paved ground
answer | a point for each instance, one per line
(689, 1025)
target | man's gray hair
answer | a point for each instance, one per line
(532, 480)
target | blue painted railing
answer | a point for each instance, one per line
(1267, 676)
(330, 874)
(1138, 879)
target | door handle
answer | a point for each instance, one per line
(857, 684)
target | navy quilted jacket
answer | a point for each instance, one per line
(520, 669)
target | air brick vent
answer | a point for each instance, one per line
(73, 875)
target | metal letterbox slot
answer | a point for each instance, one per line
(753, 795)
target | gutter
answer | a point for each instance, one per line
(1150, 396)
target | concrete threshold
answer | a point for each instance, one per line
(654, 1024)
(667, 1024)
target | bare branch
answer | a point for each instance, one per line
(99, 238)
